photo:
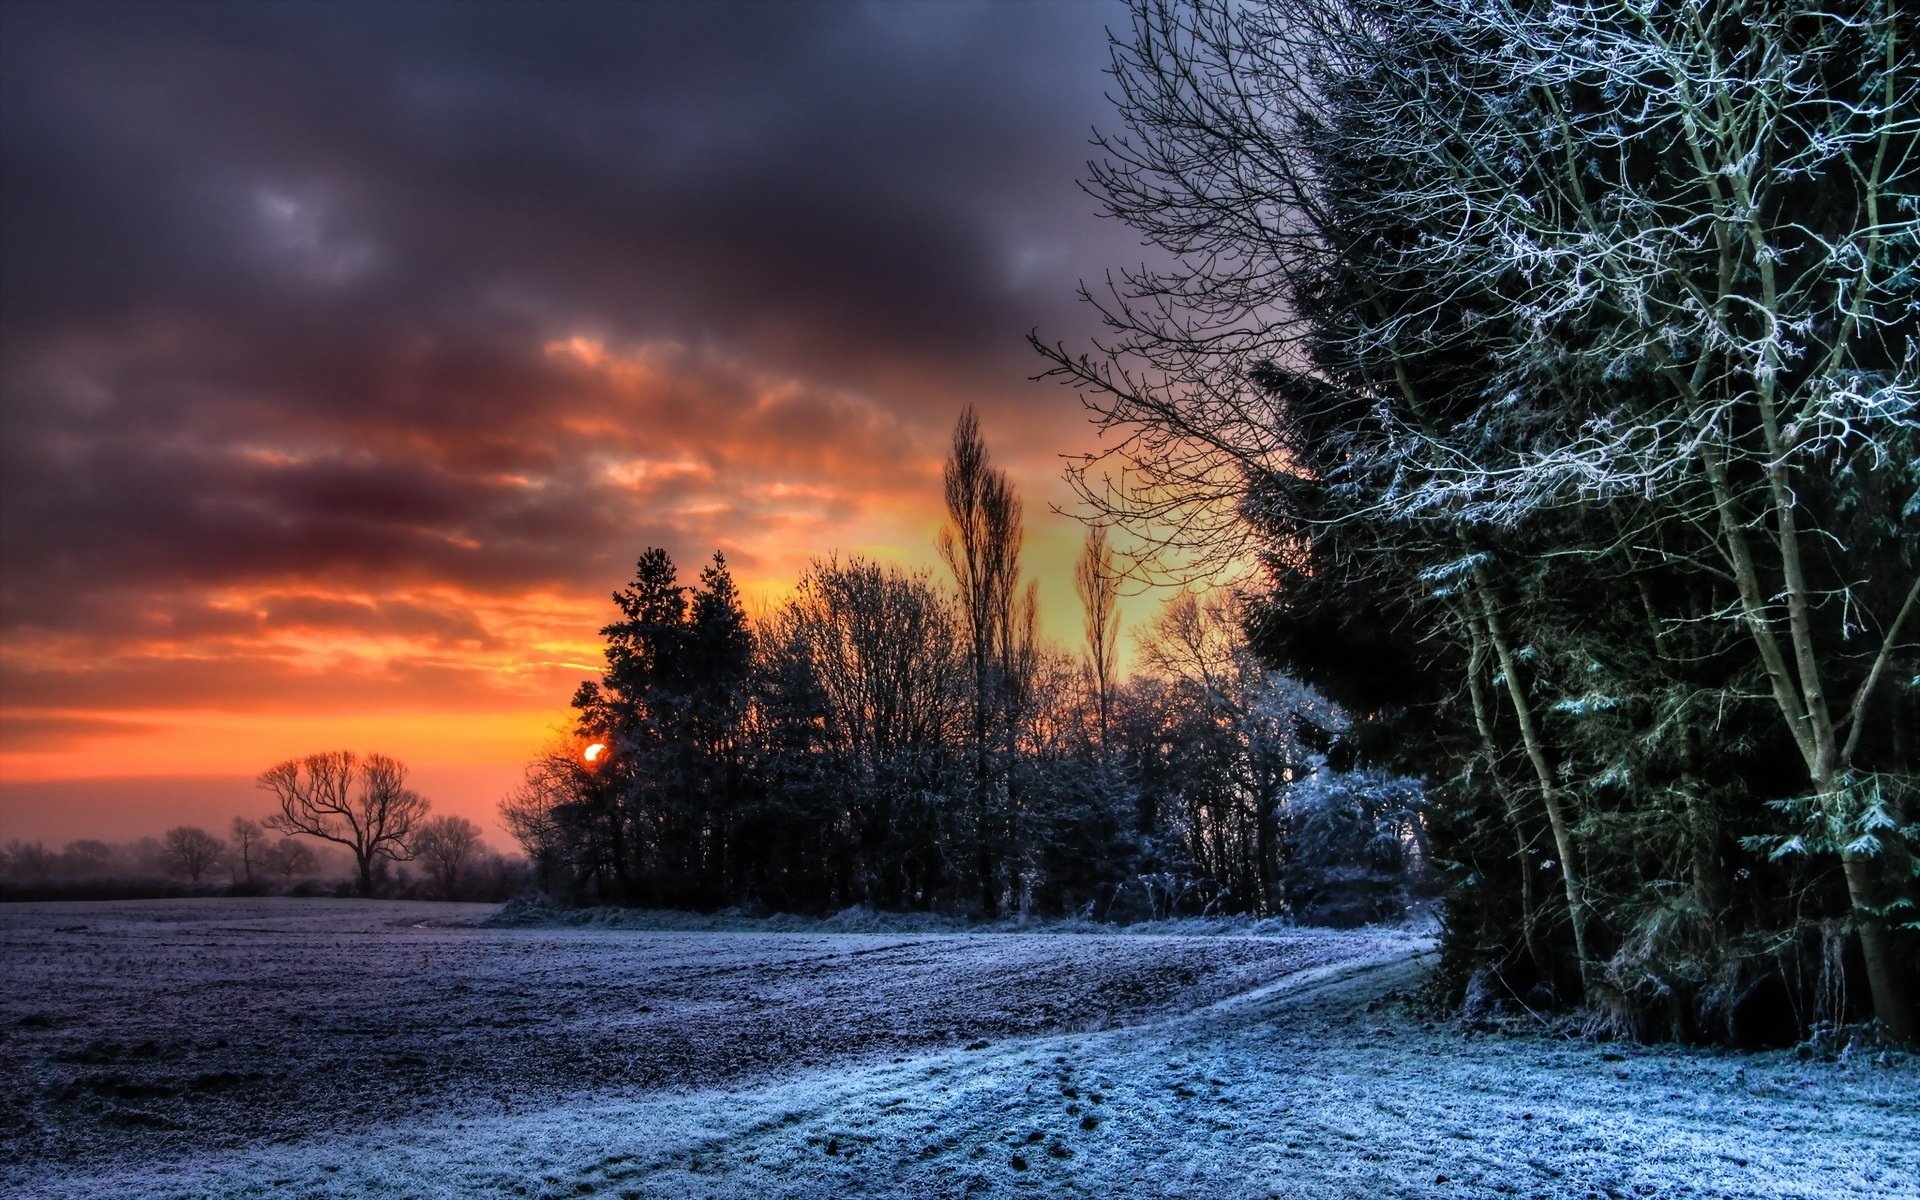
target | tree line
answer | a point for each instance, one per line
(185, 852)
(362, 804)
(338, 812)
(896, 740)
(1558, 367)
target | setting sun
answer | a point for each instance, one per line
(593, 752)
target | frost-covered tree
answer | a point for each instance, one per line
(1356, 846)
(1691, 239)
(1556, 363)
(1710, 254)
(1241, 735)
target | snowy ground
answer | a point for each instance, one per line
(269, 1048)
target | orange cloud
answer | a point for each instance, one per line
(385, 584)
(337, 404)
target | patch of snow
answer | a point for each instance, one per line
(581, 1061)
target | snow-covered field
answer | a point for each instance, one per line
(327, 1048)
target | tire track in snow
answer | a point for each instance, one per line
(971, 1082)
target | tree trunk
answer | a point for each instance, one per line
(1802, 702)
(1887, 971)
(1704, 845)
(1549, 789)
(1267, 842)
(1483, 720)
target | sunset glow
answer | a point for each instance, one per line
(341, 439)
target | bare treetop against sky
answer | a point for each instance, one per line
(352, 353)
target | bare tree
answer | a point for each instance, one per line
(446, 846)
(1098, 584)
(288, 858)
(981, 545)
(193, 850)
(28, 860)
(1249, 720)
(245, 835)
(362, 804)
(86, 857)
(883, 647)
(1213, 169)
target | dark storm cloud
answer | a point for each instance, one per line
(814, 178)
(283, 281)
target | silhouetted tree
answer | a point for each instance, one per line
(561, 814)
(671, 706)
(245, 835)
(446, 846)
(29, 860)
(882, 657)
(289, 858)
(981, 545)
(193, 850)
(86, 857)
(363, 804)
(1096, 580)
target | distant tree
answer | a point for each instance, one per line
(981, 545)
(658, 811)
(1097, 581)
(245, 836)
(86, 857)
(28, 860)
(288, 858)
(547, 813)
(149, 856)
(193, 850)
(881, 653)
(362, 804)
(446, 846)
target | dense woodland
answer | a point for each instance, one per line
(892, 740)
(1555, 369)
(1558, 365)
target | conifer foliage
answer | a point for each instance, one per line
(1558, 365)
(884, 739)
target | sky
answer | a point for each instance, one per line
(350, 355)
